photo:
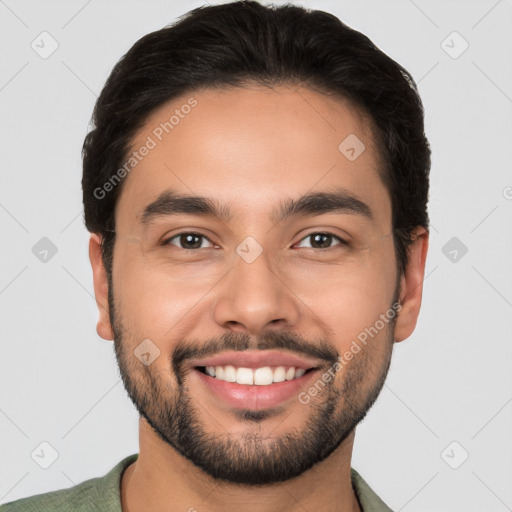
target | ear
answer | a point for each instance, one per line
(103, 327)
(411, 286)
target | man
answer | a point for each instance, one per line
(256, 186)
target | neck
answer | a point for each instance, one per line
(161, 479)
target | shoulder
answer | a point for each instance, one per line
(80, 498)
(95, 494)
(368, 499)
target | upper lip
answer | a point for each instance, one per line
(257, 359)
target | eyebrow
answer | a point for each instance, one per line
(172, 202)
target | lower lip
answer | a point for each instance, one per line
(241, 396)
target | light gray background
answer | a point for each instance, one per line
(450, 381)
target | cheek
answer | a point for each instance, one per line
(349, 298)
(154, 301)
(352, 309)
(166, 301)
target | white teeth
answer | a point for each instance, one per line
(244, 376)
(229, 373)
(279, 374)
(263, 376)
(290, 373)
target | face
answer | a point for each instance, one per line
(250, 248)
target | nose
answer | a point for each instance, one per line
(253, 297)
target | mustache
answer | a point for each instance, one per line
(320, 348)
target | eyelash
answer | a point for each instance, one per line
(341, 240)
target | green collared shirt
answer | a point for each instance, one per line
(104, 494)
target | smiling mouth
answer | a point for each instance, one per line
(263, 376)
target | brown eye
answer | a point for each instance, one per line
(187, 240)
(323, 240)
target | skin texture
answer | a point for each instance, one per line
(250, 149)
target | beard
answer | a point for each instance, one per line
(253, 458)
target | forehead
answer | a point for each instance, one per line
(249, 148)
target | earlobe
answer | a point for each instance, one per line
(411, 288)
(103, 327)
